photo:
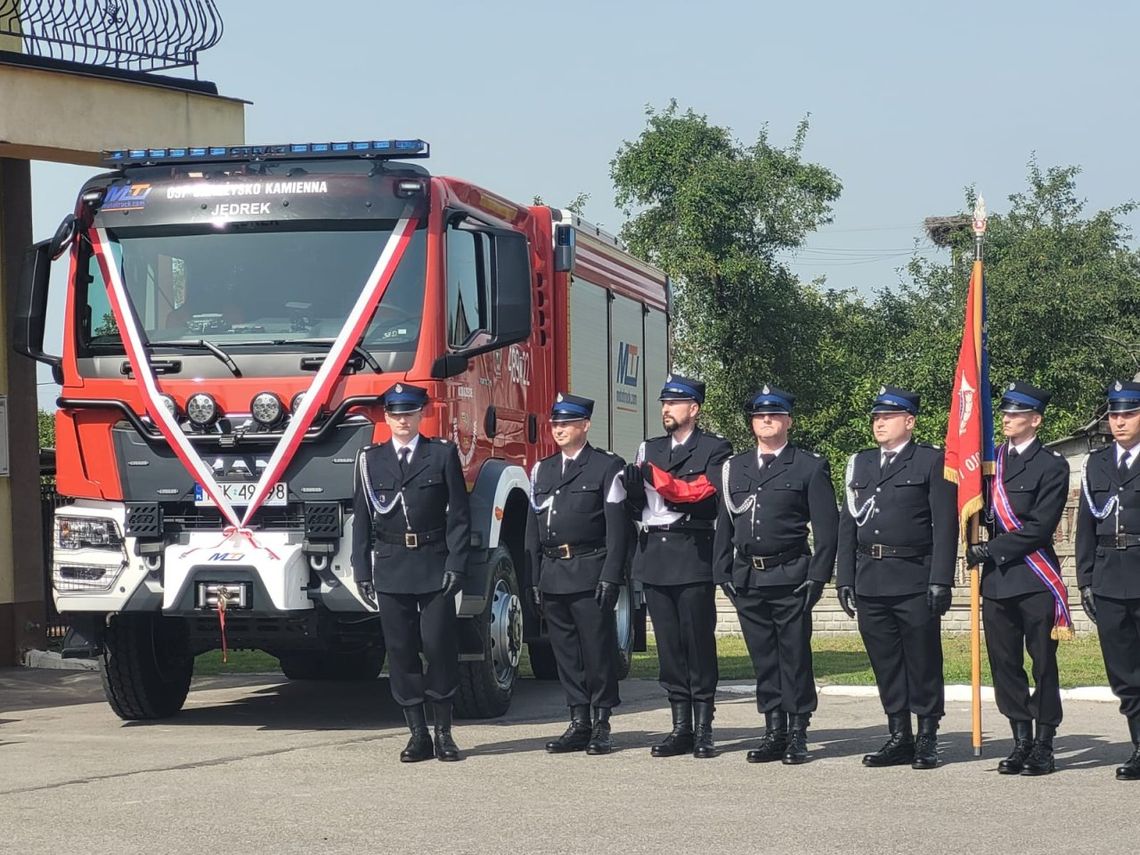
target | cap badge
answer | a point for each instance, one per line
(1118, 387)
(559, 399)
(766, 391)
(669, 378)
(1011, 387)
(399, 388)
(882, 390)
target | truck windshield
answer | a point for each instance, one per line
(253, 284)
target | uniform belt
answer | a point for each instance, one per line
(411, 539)
(570, 550)
(881, 550)
(767, 562)
(1118, 541)
(682, 526)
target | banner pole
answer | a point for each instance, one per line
(976, 644)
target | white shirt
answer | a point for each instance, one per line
(883, 452)
(759, 454)
(566, 458)
(1020, 449)
(1129, 454)
(411, 446)
(675, 442)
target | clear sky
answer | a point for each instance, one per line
(909, 102)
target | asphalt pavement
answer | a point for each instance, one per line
(258, 764)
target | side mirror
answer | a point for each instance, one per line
(449, 365)
(31, 304)
(512, 289)
(563, 248)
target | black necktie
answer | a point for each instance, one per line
(767, 459)
(888, 458)
(405, 456)
(673, 452)
(566, 464)
(1012, 453)
(1124, 466)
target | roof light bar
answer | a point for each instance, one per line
(207, 154)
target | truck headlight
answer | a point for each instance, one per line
(87, 533)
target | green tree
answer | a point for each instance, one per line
(46, 429)
(714, 214)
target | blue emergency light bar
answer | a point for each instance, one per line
(218, 153)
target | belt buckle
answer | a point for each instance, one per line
(876, 550)
(1121, 542)
(564, 550)
(411, 540)
(758, 562)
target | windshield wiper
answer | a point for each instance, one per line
(201, 344)
(328, 342)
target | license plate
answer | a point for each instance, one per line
(240, 493)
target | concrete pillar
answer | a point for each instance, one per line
(22, 587)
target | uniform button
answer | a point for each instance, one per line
(876, 531)
(663, 540)
(556, 492)
(553, 511)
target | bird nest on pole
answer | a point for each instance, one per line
(941, 230)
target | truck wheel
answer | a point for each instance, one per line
(146, 665)
(485, 687)
(542, 662)
(328, 665)
(623, 614)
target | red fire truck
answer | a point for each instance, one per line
(232, 314)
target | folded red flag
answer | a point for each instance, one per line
(677, 490)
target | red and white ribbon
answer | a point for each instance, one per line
(315, 397)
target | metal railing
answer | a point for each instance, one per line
(131, 35)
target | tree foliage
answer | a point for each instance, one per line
(1063, 286)
(714, 214)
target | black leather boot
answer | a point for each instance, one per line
(419, 747)
(703, 747)
(600, 741)
(680, 741)
(796, 751)
(899, 749)
(1130, 771)
(1022, 746)
(926, 746)
(775, 741)
(577, 735)
(445, 747)
(1040, 760)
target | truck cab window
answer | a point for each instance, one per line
(468, 284)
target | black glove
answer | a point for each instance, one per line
(847, 599)
(812, 591)
(634, 480)
(977, 553)
(536, 599)
(452, 582)
(368, 591)
(606, 595)
(1088, 602)
(938, 599)
(729, 590)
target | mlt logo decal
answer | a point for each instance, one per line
(628, 371)
(126, 197)
(227, 556)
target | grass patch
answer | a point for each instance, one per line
(839, 660)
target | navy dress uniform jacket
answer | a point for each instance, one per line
(789, 493)
(1112, 572)
(668, 559)
(915, 508)
(434, 508)
(1037, 484)
(577, 517)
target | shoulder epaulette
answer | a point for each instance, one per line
(607, 451)
(1056, 453)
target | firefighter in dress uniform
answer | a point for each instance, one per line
(411, 536)
(1108, 556)
(898, 544)
(673, 502)
(770, 497)
(1024, 600)
(576, 547)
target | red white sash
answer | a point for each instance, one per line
(315, 397)
(1038, 561)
